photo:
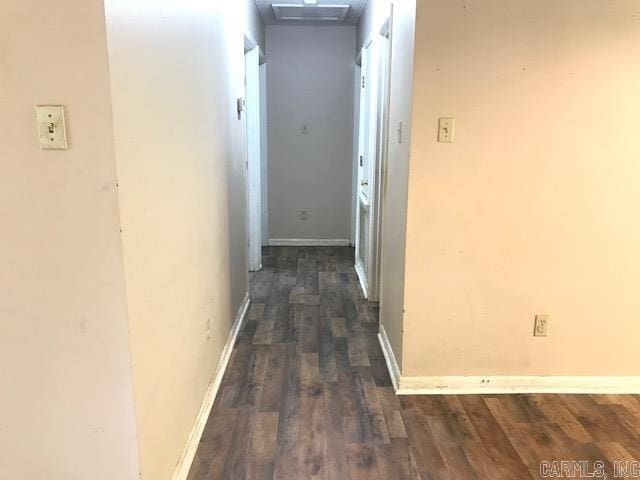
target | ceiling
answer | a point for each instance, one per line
(355, 10)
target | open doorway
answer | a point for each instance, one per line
(328, 141)
(371, 161)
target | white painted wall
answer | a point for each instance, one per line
(118, 250)
(66, 398)
(176, 71)
(310, 81)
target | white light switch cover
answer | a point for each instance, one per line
(51, 127)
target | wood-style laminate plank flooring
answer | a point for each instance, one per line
(307, 395)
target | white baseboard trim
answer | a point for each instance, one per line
(362, 278)
(497, 385)
(184, 464)
(309, 242)
(390, 358)
(463, 385)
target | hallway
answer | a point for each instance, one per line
(307, 395)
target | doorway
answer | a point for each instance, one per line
(371, 160)
(255, 138)
(303, 141)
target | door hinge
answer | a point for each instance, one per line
(363, 81)
(361, 160)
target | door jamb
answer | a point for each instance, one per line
(382, 150)
(253, 185)
(370, 280)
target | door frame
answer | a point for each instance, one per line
(382, 151)
(356, 150)
(254, 152)
(377, 151)
(366, 151)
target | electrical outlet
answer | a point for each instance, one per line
(303, 215)
(207, 328)
(541, 326)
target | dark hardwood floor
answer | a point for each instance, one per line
(307, 396)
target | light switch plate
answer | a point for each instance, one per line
(445, 130)
(51, 127)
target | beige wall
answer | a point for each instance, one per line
(394, 215)
(534, 208)
(66, 401)
(310, 81)
(176, 71)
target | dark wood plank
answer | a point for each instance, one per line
(307, 395)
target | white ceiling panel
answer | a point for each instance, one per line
(291, 12)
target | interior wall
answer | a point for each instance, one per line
(394, 207)
(310, 82)
(253, 24)
(373, 16)
(176, 71)
(66, 407)
(534, 208)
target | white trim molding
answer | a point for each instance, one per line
(461, 385)
(497, 384)
(309, 242)
(362, 278)
(389, 358)
(184, 464)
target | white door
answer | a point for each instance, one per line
(254, 195)
(366, 169)
(381, 140)
(373, 138)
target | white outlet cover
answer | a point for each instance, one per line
(541, 326)
(52, 130)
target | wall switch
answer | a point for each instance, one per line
(303, 214)
(51, 127)
(541, 326)
(445, 130)
(304, 129)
